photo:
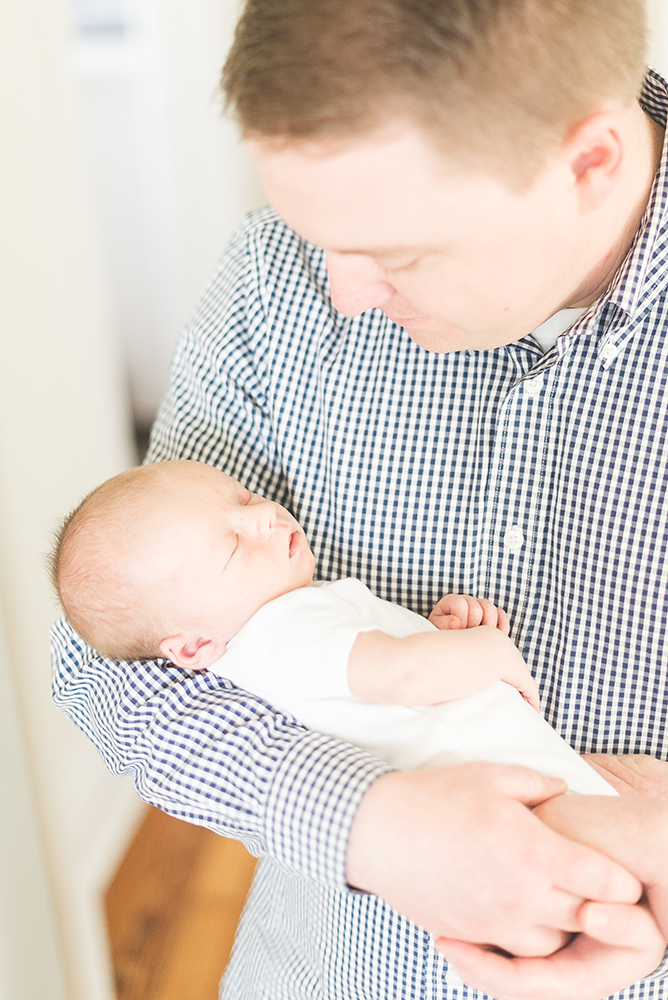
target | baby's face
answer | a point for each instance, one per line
(220, 552)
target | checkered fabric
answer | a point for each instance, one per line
(538, 481)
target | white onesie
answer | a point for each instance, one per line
(294, 653)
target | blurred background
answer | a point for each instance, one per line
(120, 186)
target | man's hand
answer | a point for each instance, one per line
(460, 611)
(628, 946)
(631, 774)
(455, 850)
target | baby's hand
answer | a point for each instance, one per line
(457, 611)
(460, 611)
(519, 676)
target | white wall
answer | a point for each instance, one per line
(30, 961)
(658, 21)
(170, 179)
(64, 426)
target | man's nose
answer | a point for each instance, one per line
(356, 283)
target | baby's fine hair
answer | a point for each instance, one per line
(89, 566)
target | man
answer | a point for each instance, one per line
(465, 393)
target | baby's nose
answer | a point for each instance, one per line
(263, 517)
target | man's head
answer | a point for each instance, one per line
(466, 164)
(171, 560)
(495, 83)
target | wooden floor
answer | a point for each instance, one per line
(172, 910)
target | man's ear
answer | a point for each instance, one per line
(192, 650)
(595, 153)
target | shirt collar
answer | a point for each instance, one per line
(632, 282)
(642, 274)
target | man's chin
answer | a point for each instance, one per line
(434, 336)
(440, 337)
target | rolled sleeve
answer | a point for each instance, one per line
(214, 755)
(314, 796)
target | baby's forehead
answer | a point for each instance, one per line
(188, 475)
(186, 495)
(168, 500)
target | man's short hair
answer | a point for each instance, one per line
(498, 83)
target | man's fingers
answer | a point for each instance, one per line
(526, 785)
(618, 924)
(586, 969)
(578, 870)
(500, 976)
(586, 873)
(633, 773)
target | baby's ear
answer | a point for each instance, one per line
(191, 650)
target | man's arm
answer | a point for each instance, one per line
(216, 756)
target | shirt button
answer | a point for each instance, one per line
(513, 539)
(609, 352)
(533, 386)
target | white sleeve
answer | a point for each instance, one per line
(295, 648)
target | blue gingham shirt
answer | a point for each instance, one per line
(537, 480)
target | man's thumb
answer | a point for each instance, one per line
(528, 786)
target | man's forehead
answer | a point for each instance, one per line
(385, 151)
(378, 194)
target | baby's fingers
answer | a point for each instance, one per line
(503, 622)
(488, 613)
(469, 612)
(450, 612)
(446, 622)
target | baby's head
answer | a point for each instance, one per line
(171, 560)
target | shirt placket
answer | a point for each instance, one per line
(510, 536)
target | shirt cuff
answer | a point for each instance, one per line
(314, 797)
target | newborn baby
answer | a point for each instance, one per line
(178, 560)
